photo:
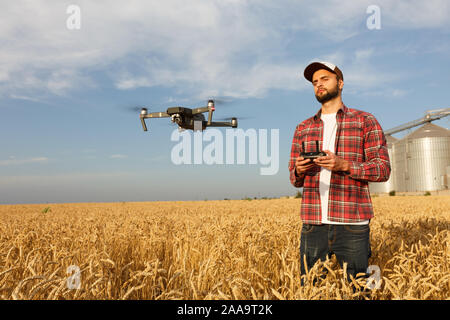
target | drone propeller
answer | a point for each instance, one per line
(131, 109)
(222, 100)
(218, 101)
(230, 118)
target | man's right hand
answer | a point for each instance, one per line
(302, 165)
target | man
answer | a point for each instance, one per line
(336, 207)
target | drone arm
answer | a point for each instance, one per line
(210, 116)
(145, 115)
(143, 123)
(232, 124)
(209, 108)
(157, 115)
(219, 124)
(200, 110)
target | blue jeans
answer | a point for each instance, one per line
(350, 243)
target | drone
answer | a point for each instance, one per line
(187, 118)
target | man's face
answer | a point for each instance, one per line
(326, 86)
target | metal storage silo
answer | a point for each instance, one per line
(447, 178)
(388, 186)
(421, 159)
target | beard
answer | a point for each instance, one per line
(328, 95)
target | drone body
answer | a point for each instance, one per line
(186, 118)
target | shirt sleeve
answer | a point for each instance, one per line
(376, 167)
(296, 181)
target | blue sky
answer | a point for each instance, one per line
(67, 138)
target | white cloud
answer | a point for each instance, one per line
(362, 75)
(415, 14)
(65, 179)
(13, 161)
(234, 48)
(129, 82)
(88, 150)
(399, 92)
(118, 156)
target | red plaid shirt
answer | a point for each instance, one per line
(359, 140)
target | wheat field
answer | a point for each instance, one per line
(229, 249)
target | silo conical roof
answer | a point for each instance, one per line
(428, 130)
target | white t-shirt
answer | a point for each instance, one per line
(328, 143)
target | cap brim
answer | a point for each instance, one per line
(313, 67)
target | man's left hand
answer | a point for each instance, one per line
(332, 162)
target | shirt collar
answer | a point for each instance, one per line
(342, 110)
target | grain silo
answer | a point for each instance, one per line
(388, 186)
(421, 159)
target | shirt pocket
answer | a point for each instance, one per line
(351, 141)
